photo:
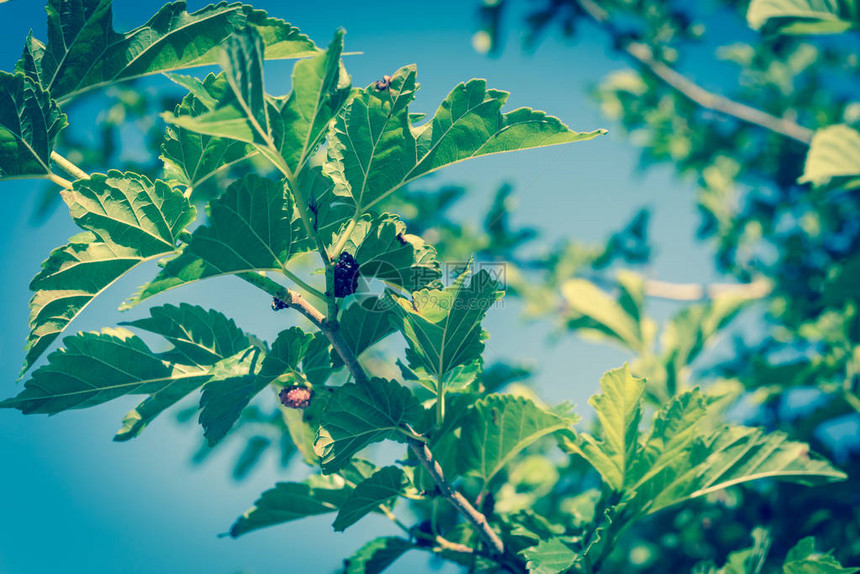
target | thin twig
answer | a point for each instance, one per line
(68, 166)
(297, 302)
(701, 292)
(61, 181)
(644, 55)
(457, 500)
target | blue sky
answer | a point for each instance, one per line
(75, 502)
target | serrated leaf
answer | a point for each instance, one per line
(199, 336)
(375, 556)
(675, 429)
(443, 327)
(363, 324)
(85, 52)
(498, 427)
(734, 455)
(95, 368)
(236, 381)
(143, 414)
(129, 220)
(804, 16)
(357, 416)
(549, 557)
(233, 385)
(592, 309)
(833, 158)
(191, 158)
(243, 112)
(30, 122)
(250, 228)
(803, 559)
(384, 251)
(289, 501)
(320, 88)
(374, 149)
(619, 411)
(380, 488)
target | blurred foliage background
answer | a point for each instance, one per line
(761, 112)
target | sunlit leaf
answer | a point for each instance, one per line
(375, 149)
(498, 427)
(129, 220)
(250, 228)
(358, 416)
(85, 52)
(804, 16)
(619, 411)
(833, 157)
(804, 559)
(443, 326)
(549, 557)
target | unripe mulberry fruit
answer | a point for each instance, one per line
(345, 275)
(296, 396)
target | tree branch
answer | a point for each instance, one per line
(457, 500)
(295, 300)
(644, 55)
(701, 292)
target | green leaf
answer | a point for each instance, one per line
(85, 52)
(804, 16)
(190, 158)
(95, 368)
(243, 112)
(358, 416)
(619, 411)
(549, 557)
(236, 381)
(129, 220)
(375, 556)
(746, 561)
(498, 427)
(199, 336)
(374, 149)
(381, 488)
(143, 414)
(386, 252)
(803, 559)
(459, 379)
(233, 385)
(30, 122)
(734, 455)
(675, 429)
(443, 327)
(289, 501)
(363, 324)
(250, 228)
(833, 158)
(590, 308)
(320, 88)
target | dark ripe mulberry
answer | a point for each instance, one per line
(277, 304)
(296, 396)
(383, 84)
(345, 275)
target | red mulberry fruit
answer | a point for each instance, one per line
(296, 396)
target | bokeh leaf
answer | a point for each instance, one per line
(804, 16)
(833, 158)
